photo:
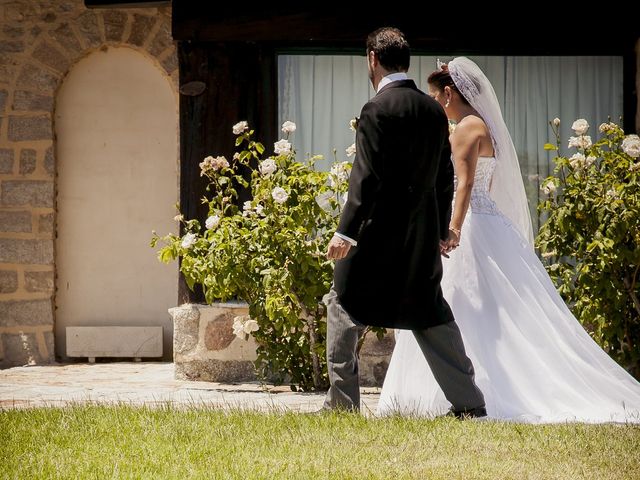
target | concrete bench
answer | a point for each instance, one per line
(135, 342)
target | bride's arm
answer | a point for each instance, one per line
(465, 145)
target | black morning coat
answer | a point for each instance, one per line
(398, 208)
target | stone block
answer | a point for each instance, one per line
(20, 349)
(205, 347)
(49, 164)
(6, 160)
(16, 313)
(11, 46)
(37, 193)
(218, 333)
(26, 251)
(114, 23)
(162, 40)
(87, 23)
(27, 161)
(19, 222)
(171, 62)
(66, 37)
(13, 31)
(30, 101)
(8, 68)
(375, 356)
(37, 79)
(3, 100)
(45, 223)
(23, 129)
(51, 56)
(40, 282)
(185, 328)
(140, 29)
(8, 281)
(135, 342)
(49, 341)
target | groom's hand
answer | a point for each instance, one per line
(338, 248)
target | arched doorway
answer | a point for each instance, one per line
(116, 124)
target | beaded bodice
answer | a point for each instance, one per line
(481, 201)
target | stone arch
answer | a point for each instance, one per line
(39, 44)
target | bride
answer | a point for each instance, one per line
(534, 361)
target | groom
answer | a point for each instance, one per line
(387, 246)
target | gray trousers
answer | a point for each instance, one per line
(441, 345)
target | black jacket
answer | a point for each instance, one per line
(398, 208)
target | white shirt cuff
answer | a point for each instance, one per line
(344, 237)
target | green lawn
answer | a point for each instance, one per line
(126, 442)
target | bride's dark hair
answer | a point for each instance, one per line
(442, 78)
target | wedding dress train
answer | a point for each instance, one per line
(534, 362)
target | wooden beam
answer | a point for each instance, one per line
(236, 82)
(126, 4)
(290, 25)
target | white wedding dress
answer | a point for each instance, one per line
(533, 360)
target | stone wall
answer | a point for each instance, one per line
(40, 40)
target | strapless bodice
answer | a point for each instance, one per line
(481, 201)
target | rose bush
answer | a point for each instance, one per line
(269, 252)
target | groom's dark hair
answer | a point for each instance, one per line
(391, 49)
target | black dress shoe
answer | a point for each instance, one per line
(467, 413)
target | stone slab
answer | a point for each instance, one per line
(93, 342)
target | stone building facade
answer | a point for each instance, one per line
(40, 41)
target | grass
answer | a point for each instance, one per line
(128, 442)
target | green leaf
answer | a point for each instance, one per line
(550, 146)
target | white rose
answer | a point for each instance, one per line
(548, 187)
(351, 150)
(577, 160)
(240, 127)
(631, 146)
(288, 127)
(188, 240)
(268, 167)
(282, 146)
(212, 222)
(238, 327)
(580, 126)
(259, 209)
(219, 162)
(178, 218)
(279, 194)
(556, 121)
(590, 160)
(583, 141)
(353, 124)
(339, 173)
(206, 165)
(246, 208)
(251, 326)
(323, 200)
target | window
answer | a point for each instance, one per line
(322, 93)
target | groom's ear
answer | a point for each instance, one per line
(373, 60)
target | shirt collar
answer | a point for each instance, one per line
(392, 77)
